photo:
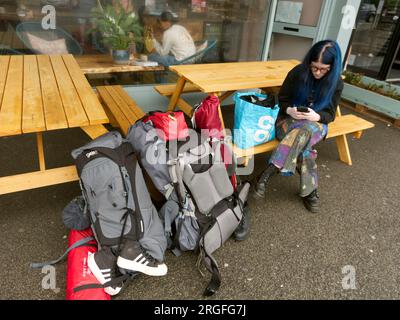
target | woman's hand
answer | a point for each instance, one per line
(310, 116)
(292, 111)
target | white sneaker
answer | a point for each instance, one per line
(102, 264)
(134, 258)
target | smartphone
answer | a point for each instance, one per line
(302, 109)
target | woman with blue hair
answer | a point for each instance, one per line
(308, 99)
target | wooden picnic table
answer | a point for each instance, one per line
(39, 93)
(223, 79)
(103, 63)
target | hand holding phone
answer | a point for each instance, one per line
(302, 109)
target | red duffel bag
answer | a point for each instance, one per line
(79, 276)
(206, 117)
(172, 125)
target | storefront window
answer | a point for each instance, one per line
(375, 44)
(239, 27)
(295, 27)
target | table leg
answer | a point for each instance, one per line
(218, 94)
(343, 149)
(177, 93)
(226, 95)
(45, 177)
(185, 107)
(39, 141)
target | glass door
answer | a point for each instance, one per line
(376, 38)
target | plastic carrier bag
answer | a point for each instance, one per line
(255, 116)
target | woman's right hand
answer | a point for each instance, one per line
(292, 111)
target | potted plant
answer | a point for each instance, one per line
(374, 94)
(119, 29)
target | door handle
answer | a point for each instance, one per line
(291, 29)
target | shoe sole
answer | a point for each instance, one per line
(310, 208)
(236, 238)
(99, 276)
(244, 234)
(257, 195)
(130, 265)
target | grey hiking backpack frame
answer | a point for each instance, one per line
(205, 192)
(124, 157)
(194, 219)
(117, 198)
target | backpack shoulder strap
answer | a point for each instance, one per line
(80, 243)
(212, 266)
(175, 168)
(123, 279)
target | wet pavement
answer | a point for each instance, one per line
(290, 254)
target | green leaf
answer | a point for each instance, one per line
(119, 29)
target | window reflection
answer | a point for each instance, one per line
(374, 36)
(238, 26)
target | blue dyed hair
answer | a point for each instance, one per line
(326, 52)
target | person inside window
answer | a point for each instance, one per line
(308, 99)
(177, 43)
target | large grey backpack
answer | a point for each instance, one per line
(116, 195)
(202, 209)
(207, 197)
(153, 156)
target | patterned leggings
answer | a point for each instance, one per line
(296, 150)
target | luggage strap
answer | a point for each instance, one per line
(80, 243)
(175, 168)
(124, 279)
(212, 266)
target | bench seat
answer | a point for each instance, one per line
(168, 89)
(347, 124)
(121, 109)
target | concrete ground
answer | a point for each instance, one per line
(290, 254)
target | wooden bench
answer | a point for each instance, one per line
(343, 125)
(167, 90)
(121, 109)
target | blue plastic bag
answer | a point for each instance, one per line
(253, 124)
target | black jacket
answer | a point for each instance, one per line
(289, 89)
